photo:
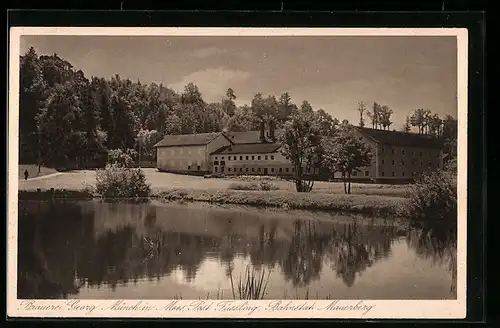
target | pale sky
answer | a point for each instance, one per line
(331, 72)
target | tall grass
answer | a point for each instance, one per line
(251, 286)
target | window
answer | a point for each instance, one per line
(367, 173)
(265, 157)
(272, 169)
(258, 169)
(272, 157)
(393, 151)
(253, 157)
(382, 173)
(228, 158)
(199, 167)
(421, 163)
(382, 161)
(222, 163)
(229, 169)
(403, 162)
(241, 158)
(402, 151)
(420, 154)
(392, 162)
(354, 173)
(246, 157)
(246, 169)
(215, 157)
(382, 149)
(430, 164)
(241, 169)
(258, 157)
(222, 157)
(403, 174)
(293, 169)
(393, 174)
(281, 169)
(412, 174)
(216, 162)
(438, 166)
(189, 167)
(222, 169)
(215, 169)
(286, 169)
(253, 169)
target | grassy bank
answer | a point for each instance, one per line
(359, 204)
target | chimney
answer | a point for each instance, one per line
(262, 134)
(271, 131)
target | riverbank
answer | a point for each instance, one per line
(356, 204)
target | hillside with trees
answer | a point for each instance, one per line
(71, 121)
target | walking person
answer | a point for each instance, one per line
(26, 174)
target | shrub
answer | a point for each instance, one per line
(121, 182)
(243, 186)
(267, 185)
(433, 197)
(263, 185)
(116, 157)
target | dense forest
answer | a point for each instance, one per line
(68, 120)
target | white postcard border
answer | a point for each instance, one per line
(379, 309)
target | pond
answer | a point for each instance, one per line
(162, 250)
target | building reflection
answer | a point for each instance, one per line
(66, 246)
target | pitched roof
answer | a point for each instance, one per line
(248, 136)
(402, 139)
(187, 139)
(253, 148)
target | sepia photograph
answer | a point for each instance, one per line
(228, 167)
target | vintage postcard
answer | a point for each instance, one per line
(237, 173)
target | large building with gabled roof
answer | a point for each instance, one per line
(398, 156)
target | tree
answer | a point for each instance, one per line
(327, 124)
(406, 126)
(285, 108)
(375, 115)
(301, 144)
(346, 153)
(385, 117)
(361, 110)
(228, 105)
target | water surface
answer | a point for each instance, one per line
(110, 250)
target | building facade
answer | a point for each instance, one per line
(188, 153)
(398, 156)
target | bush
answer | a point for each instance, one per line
(243, 186)
(116, 157)
(433, 197)
(263, 185)
(121, 182)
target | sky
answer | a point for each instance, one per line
(331, 72)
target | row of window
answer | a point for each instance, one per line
(355, 173)
(412, 163)
(394, 174)
(403, 152)
(189, 167)
(235, 158)
(253, 169)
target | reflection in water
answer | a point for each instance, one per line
(64, 247)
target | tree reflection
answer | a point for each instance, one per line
(437, 242)
(65, 246)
